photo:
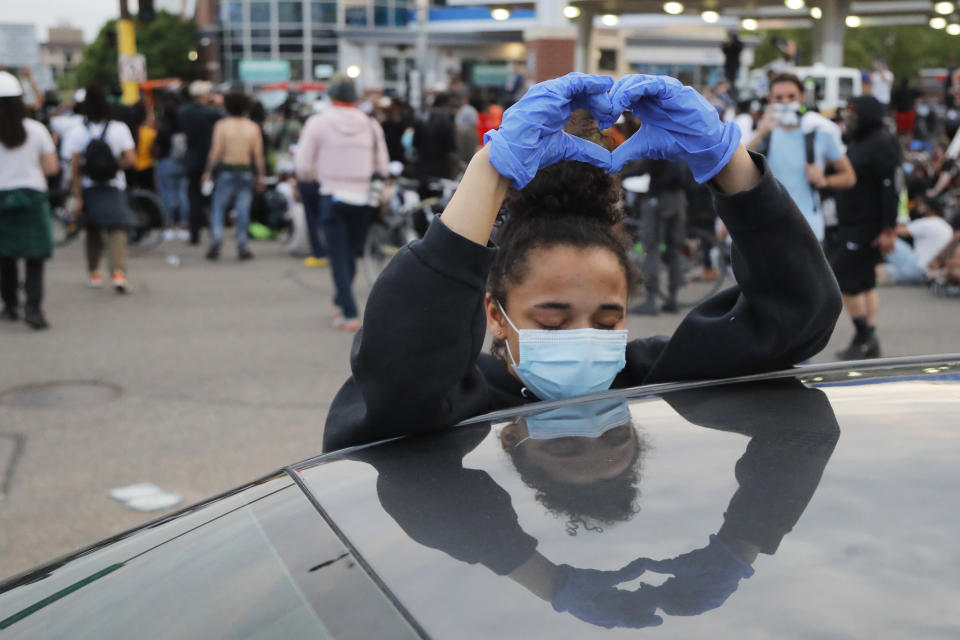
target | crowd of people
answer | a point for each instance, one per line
(877, 182)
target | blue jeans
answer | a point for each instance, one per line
(310, 196)
(901, 265)
(172, 184)
(345, 229)
(233, 187)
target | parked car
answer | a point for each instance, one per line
(816, 502)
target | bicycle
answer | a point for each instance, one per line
(405, 219)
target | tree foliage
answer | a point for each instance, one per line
(906, 48)
(165, 42)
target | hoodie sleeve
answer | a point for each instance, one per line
(305, 158)
(784, 308)
(414, 362)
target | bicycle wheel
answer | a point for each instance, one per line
(149, 215)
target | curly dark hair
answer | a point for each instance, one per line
(570, 203)
(590, 506)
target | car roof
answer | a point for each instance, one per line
(840, 476)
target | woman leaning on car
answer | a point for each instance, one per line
(553, 291)
(27, 157)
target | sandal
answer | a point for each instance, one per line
(343, 324)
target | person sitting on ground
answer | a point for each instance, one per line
(910, 264)
(555, 293)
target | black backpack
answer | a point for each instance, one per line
(99, 163)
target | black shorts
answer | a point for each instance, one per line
(856, 258)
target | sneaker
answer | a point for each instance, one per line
(169, 234)
(213, 253)
(670, 306)
(244, 254)
(35, 319)
(861, 350)
(183, 234)
(120, 282)
(316, 262)
(10, 313)
(96, 280)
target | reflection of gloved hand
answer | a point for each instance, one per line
(704, 578)
(591, 595)
(677, 124)
(532, 137)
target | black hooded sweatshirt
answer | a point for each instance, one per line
(875, 156)
(417, 362)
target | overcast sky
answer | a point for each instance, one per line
(89, 15)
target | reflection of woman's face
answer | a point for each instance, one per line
(577, 460)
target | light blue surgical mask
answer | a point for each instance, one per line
(562, 363)
(583, 420)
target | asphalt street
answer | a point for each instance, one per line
(221, 373)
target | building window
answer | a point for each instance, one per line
(260, 12)
(608, 59)
(381, 15)
(323, 12)
(355, 13)
(290, 11)
(391, 69)
(291, 33)
(288, 47)
(401, 16)
(232, 12)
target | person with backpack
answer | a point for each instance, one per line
(27, 157)
(172, 181)
(100, 150)
(800, 160)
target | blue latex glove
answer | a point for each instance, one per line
(591, 595)
(531, 136)
(677, 124)
(703, 579)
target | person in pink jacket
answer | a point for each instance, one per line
(343, 149)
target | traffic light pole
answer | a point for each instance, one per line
(127, 46)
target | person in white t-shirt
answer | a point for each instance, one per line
(102, 204)
(911, 265)
(881, 82)
(27, 157)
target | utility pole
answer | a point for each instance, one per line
(127, 48)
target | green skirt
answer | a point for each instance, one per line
(26, 229)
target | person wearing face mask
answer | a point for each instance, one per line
(554, 293)
(783, 140)
(867, 217)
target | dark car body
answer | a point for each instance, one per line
(842, 479)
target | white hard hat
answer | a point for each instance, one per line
(9, 85)
(79, 95)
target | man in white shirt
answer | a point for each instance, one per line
(881, 82)
(910, 265)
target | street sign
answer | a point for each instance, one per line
(133, 68)
(262, 71)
